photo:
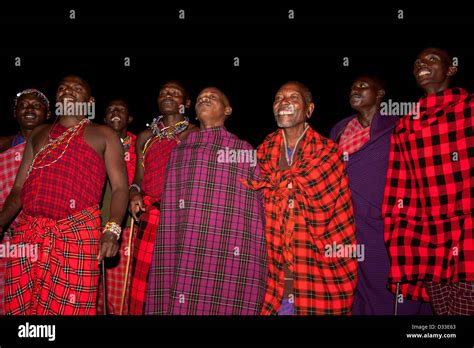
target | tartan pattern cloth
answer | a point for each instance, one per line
(131, 157)
(9, 163)
(142, 254)
(452, 299)
(353, 137)
(287, 307)
(317, 209)
(72, 184)
(115, 279)
(428, 203)
(156, 159)
(210, 253)
(62, 279)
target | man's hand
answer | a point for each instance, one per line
(108, 245)
(136, 204)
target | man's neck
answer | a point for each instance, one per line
(365, 117)
(70, 121)
(123, 133)
(431, 89)
(171, 120)
(292, 134)
(25, 133)
(214, 124)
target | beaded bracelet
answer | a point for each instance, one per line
(114, 228)
(135, 186)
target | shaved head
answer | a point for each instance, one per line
(216, 90)
(308, 97)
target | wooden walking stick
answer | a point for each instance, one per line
(104, 287)
(396, 299)
(130, 237)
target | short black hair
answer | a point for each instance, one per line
(308, 97)
(180, 85)
(378, 81)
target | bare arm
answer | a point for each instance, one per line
(13, 202)
(117, 173)
(136, 198)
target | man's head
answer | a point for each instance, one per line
(117, 116)
(212, 107)
(366, 92)
(31, 108)
(293, 105)
(433, 70)
(73, 89)
(173, 99)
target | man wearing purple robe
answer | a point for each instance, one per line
(210, 255)
(364, 140)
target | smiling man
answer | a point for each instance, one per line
(308, 211)
(31, 110)
(364, 140)
(429, 197)
(153, 149)
(210, 255)
(59, 188)
(118, 117)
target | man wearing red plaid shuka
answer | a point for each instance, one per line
(118, 117)
(429, 199)
(310, 226)
(153, 150)
(31, 110)
(59, 187)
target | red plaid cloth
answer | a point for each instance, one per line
(9, 162)
(131, 156)
(115, 279)
(70, 185)
(353, 137)
(62, 278)
(429, 201)
(156, 160)
(142, 254)
(321, 215)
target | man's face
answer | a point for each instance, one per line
(364, 93)
(433, 70)
(171, 99)
(30, 111)
(212, 105)
(289, 107)
(73, 89)
(116, 115)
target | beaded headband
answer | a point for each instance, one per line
(37, 93)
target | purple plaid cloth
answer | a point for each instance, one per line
(210, 255)
(287, 307)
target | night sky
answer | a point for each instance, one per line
(200, 51)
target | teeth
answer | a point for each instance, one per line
(115, 119)
(285, 113)
(424, 72)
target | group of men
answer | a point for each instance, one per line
(225, 235)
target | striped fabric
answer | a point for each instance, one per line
(60, 277)
(210, 253)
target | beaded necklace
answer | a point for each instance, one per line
(64, 138)
(160, 131)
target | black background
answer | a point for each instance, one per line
(200, 51)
